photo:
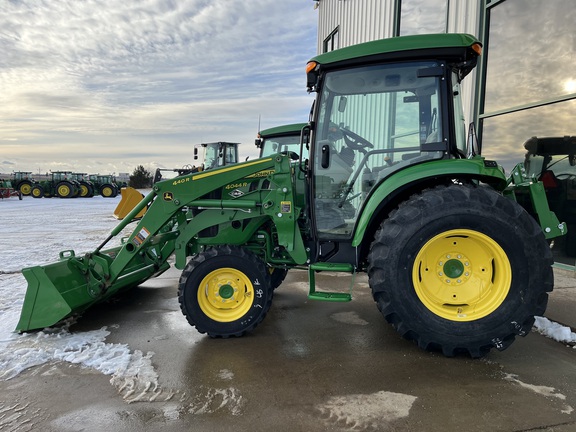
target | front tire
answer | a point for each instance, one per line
(25, 187)
(460, 269)
(108, 191)
(37, 191)
(225, 291)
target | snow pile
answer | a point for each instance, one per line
(555, 331)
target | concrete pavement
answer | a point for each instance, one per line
(309, 366)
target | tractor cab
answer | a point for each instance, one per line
(216, 154)
(377, 115)
(281, 139)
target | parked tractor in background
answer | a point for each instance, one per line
(104, 185)
(551, 163)
(86, 186)
(281, 139)
(391, 187)
(285, 139)
(206, 156)
(23, 181)
(60, 185)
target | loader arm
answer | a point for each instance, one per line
(184, 215)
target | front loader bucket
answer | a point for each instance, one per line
(130, 197)
(55, 292)
(62, 289)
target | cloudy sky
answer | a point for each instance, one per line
(101, 86)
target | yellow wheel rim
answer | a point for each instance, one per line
(462, 275)
(83, 191)
(106, 192)
(25, 189)
(63, 190)
(36, 192)
(225, 295)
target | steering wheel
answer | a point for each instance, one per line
(566, 175)
(355, 141)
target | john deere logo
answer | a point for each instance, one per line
(168, 196)
(236, 193)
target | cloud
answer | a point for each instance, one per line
(84, 80)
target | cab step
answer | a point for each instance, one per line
(330, 296)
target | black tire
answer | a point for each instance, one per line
(108, 191)
(86, 190)
(235, 278)
(65, 189)
(25, 187)
(277, 276)
(37, 191)
(432, 254)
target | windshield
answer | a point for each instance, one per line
(372, 121)
(280, 144)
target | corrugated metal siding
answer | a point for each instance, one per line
(357, 20)
(365, 20)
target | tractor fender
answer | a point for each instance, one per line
(418, 177)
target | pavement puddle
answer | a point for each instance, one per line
(549, 392)
(366, 411)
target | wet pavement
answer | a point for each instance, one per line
(309, 366)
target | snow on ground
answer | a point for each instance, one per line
(33, 232)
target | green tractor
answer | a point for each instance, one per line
(281, 139)
(206, 156)
(392, 187)
(551, 163)
(23, 182)
(61, 185)
(84, 183)
(104, 185)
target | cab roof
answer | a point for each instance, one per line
(445, 45)
(289, 129)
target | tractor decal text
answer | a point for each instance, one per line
(180, 181)
(264, 173)
(231, 168)
(236, 185)
(140, 237)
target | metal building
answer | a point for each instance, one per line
(524, 86)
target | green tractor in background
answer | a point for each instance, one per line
(60, 185)
(206, 156)
(285, 139)
(281, 139)
(392, 186)
(551, 163)
(104, 185)
(23, 182)
(85, 185)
